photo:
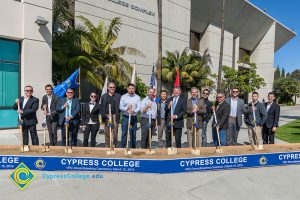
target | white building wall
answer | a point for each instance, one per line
(263, 56)
(211, 40)
(17, 22)
(140, 30)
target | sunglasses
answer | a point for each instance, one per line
(28, 90)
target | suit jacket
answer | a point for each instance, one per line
(75, 111)
(241, 109)
(159, 112)
(54, 102)
(29, 111)
(222, 114)
(260, 115)
(103, 104)
(190, 115)
(207, 115)
(273, 115)
(93, 115)
(180, 110)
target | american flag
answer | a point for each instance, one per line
(152, 81)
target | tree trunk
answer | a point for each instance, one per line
(221, 47)
(159, 57)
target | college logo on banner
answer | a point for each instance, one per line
(40, 163)
(22, 176)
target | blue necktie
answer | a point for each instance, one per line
(174, 103)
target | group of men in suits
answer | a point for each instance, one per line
(157, 113)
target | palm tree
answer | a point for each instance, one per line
(159, 57)
(99, 58)
(61, 14)
(221, 46)
(194, 69)
(65, 46)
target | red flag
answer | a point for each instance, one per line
(177, 79)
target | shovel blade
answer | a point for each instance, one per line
(219, 150)
(25, 148)
(172, 151)
(260, 147)
(150, 152)
(128, 152)
(195, 152)
(110, 152)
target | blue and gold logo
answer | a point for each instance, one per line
(40, 164)
(263, 160)
(22, 176)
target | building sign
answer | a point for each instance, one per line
(133, 7)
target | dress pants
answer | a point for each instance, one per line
(90, 129)
(33, 134)
(268, 135)
(145, 132)
(177, 133)
(52, 129)
(73, 133)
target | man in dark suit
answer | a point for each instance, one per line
(90, 114)
(112, 98)
(222, 114)
(271, 124)
(237, 108)
(194, 105)
(28, 105)
(179, 105)
(161, 125)
(69, 109)
(49, 103)
(206, 116)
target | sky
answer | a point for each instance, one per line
(286, 12)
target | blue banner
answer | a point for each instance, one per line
(47, 163)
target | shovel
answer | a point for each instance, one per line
(172, 150)
(195, 151)
(218, 148)
(127, 150)
(150, 150)
(24, 148)
(67, 149)
(111, 149)
(44, 125)
(256, 147)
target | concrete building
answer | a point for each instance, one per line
(25, 53)
(25, 46)
(194, 24)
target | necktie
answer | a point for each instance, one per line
(174, 103)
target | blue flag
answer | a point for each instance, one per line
(60, 90)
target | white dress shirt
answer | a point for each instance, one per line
(233, 107)
(92, 105)
(24, 102)
(268, 106)
(49, 103)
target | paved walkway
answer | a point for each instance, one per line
(276, 183)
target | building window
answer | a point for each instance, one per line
(9, 81)
(195, 41)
